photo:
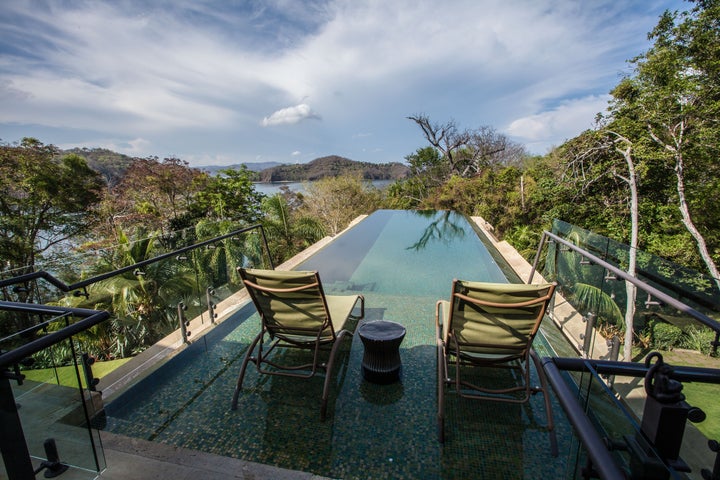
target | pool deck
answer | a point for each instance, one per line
(130, 458)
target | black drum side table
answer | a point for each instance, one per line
(381, 361)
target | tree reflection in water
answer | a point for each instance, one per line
(443, 229)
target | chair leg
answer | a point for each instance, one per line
(328, 374)
(548, 406)
(441, 393)
(243, 368)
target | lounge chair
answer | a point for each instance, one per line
(295, 312)
(490, 325)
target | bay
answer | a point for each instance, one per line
(271, 188)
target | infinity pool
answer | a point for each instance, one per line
(402, 262)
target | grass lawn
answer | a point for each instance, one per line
(66, 375)
(705, 396)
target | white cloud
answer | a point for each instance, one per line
(196, 78)
(290, 115)
(296, 153)
(558, 124)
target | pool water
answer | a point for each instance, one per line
(402, 262)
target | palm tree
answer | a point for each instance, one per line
(287, 233)
(141, 302)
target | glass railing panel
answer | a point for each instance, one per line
(55, 406)
(590, 288)
(592, 294)
(218, 263)
(146, 302)
(621, 430)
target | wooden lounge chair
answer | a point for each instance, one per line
(490, 325)
(295, 312)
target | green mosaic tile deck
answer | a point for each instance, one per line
(372, 431)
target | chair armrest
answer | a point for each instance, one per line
(438, 321)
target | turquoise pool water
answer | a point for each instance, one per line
(402, 262)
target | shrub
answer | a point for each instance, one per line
(699, 339)
(665, 336)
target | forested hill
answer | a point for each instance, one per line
(111, 165)
(333, 166)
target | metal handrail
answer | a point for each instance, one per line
(681, 373)
(597, 448)
(89, 281)
(90, 318)
(602, 460)
(663, 297)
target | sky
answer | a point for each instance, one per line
(221, 82)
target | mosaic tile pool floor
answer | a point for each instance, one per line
(372, 431)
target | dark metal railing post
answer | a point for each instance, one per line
(90, 380)
(713, 474)
(13, 446)
(666, 412)
(267, 249)
(183, 322)
(543, 239)
(209, 294)
(588, 336)
(613, 355)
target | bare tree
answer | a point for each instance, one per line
(468, 152)
(445, 137)
(624, 147)
(676, 136)
(588, 166)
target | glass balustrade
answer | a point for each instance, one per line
(51, 396)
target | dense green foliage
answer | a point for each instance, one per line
(44, 201)
(336, 201)
(664, 115)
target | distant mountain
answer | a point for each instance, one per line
(333, 166)
(253, 167)
(112, 166)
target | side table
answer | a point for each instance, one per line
(381, 361)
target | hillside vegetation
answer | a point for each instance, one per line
(333, 166)
(112, 166)
(109, 164)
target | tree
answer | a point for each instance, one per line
(153, 194)
(427, 172)
(288, 231)
(466, 153)
(603, 153)
(445, 138)
(228, 196)
(44, 201)
(336, 201)
(141, 301)
(675, 95)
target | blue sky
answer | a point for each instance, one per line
(217, 82)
